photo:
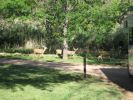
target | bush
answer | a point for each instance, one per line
(17, 50)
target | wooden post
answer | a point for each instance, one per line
(84, 63)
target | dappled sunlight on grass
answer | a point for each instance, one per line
(38, 83)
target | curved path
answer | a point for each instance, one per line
(116, 75)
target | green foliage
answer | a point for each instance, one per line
(16, 33)
(81, 41)
(43, 22)
(98, 20)
(12, 8)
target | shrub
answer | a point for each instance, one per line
(17, 50)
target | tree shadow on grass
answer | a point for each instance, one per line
(38, 77)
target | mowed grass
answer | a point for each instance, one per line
(38, 83)
(56, 58)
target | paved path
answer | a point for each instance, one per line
(113, 74)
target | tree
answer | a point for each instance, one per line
(61, 21)
(57, 21)
(20, 22)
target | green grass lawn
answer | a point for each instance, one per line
(55, 58)
(38, 83)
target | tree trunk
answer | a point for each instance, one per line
(67, 7)
(65, 45)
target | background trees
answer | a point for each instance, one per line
(62, 24)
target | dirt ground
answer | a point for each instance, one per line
(115, 75)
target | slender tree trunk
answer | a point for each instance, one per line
(67, 7)
(65, 45)
(65, 54)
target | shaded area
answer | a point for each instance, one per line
(120, 77)
(39, 77)
(48, 63)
